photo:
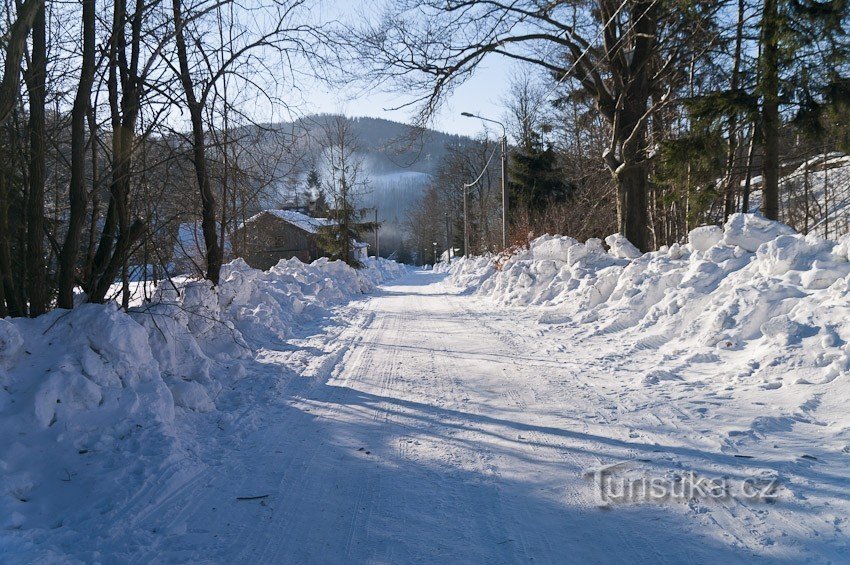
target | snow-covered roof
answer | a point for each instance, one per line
(301, 221)
(190, 239)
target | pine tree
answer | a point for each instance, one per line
(338, 236)
(317, 204)
(345, 183)
(536, 180)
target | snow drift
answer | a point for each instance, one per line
(98, 380)
(754, 285)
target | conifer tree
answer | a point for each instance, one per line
(345, 182)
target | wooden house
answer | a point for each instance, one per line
(272, 235)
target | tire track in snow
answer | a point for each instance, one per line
(640, 548)
(725, 517)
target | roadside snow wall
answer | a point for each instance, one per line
(754, 284)
(96, 380)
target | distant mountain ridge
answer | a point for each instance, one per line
(400, 162)
(387, 146)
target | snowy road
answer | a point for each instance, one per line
(429, 426)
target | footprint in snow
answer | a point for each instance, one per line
(657, 375)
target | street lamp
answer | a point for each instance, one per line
(435, 253)
(448, 241)
(466, 187)
(504, 146)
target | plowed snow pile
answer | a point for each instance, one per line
(737, 342)
(93, 399)
(754, 285)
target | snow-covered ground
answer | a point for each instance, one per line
(97, 404)
(815, 196)
(470, 415)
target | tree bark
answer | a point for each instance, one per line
(77, 193)
(13, 305)
(633, 180)
(95, 201)
(770, 109)
(36, 76)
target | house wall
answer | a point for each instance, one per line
(268, 239)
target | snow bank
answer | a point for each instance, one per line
(98, 384)
(264, 304)
(753, 286)
(749, 231)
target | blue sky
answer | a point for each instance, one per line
(480, 94)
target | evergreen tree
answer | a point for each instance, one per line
(317, 205)
(338, 236)
(536, 179)
(345, 183)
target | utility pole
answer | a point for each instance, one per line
(448, 241)
(377, 241)
(465, 220)
(504, 148)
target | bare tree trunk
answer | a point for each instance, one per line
(125, 284)
(10, 291)
(95, 201)
(632, 173)
(806, 196)
(628, 113)
(36, 77)
(748, 179)
(691, 70)
(77, 193)
(825, 195)
(195, 107)
(731, 177)
(633, 183)
(770, 109)
(16, 41)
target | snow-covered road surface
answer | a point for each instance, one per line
(421, 425)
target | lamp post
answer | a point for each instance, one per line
(504, 147)
(435, 253)
(466, 187)
(448, 241)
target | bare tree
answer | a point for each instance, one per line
(15, 46)
(200, 72)
(78, 194)
(623, 54)
(195, 107)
